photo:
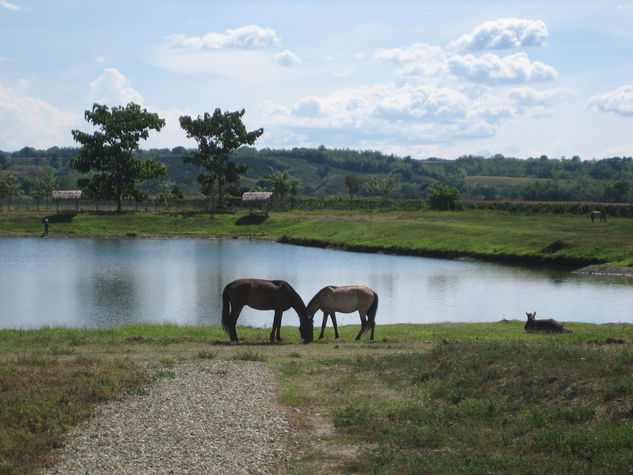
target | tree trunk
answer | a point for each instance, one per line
(219, 195)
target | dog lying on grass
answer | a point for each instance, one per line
(548, 325)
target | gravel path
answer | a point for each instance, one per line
(211, 417)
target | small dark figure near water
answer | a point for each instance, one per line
(548, 325)
(599, 215)
(45, 226)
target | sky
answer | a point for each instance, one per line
(411, 78)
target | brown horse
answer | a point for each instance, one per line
(347, 299)
(599, 215)
(260, 294)
(548, 325)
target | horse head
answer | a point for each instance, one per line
(306, 326)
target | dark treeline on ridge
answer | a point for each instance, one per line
(323, 171)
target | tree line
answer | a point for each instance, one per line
(110, 165)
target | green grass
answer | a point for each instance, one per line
(511, 407)
(42, 397)
(440, 398)
(565, 239)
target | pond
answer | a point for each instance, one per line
(93, 283)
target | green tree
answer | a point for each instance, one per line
(383, 185)
(282, 183)
(218, 135)
(10, 187)
(44, 186)
(166, 197)
(443, 197)
(108, 151)
(354, 183)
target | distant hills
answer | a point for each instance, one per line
(321, 171)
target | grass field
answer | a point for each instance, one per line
(440, 398)
(498, 235)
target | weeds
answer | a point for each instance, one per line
(41, 397)
(207, 355)
(470, 407)
(249, 356)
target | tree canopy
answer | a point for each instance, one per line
(108, 151)
(218, 135)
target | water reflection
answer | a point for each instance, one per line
(101, 283)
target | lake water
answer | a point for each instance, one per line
(92, 283)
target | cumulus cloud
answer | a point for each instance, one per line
(8, 6)
(530, 97)
(21, 114)
(287, 58)
(112, 87)
(233, 53)
(244, 37)
(408, 114)
(418, 61)
(503, 33)
(492, 69)
(619, 101)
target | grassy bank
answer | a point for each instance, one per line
(438, 398)
(495, 235)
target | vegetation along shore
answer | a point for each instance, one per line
(532, 238)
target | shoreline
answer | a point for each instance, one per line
(576, 266)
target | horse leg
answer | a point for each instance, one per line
(333, 315)
(373, 325)
(323, 325)
(235, 312)
(363, 324)
(276, 326)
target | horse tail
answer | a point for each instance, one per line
(226, 309)
(371, 313)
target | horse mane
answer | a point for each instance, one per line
(319, 294)
(298, 303)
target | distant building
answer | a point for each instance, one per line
(257, 200)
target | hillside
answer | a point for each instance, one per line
(322, 171)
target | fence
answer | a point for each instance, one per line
(232, 203)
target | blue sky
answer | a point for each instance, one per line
(419, 78)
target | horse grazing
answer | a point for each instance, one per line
(346, 299)
(599, 215)
(548, 325)
(260, 294)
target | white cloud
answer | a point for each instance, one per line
(287, 58)
(244, 37)
(9, 6)
(25, 119)
(528, 96)
(502, 34)
(236, 53)
(112, 87)
(420, 61)
(415, 52)
(619, 101)
(407, 114)
(492, 69)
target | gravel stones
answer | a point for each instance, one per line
(211, 417)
